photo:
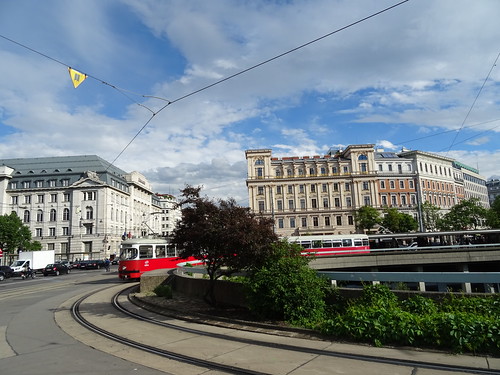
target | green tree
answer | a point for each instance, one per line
(398, 222)
(468, 214)
(493, 214)
(367, 217)
(286, 288)
(430, 216)
(14, 235)
(227, 237)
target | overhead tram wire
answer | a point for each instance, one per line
(153, 113)
(473, 103)
(119, 89)
(256, 66)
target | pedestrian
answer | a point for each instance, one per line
(106, 264)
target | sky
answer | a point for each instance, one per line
(179, 89)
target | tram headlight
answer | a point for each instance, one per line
(124, 268)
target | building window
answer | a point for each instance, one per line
(65, 231)
(53, 215)
(289, 172)
(312, 171)
(281, 223)
(278, 190)
(335, 186)
(66, 197)
(380, 167)
(278, 172)
(384, 200)
(38, 232)
(65, 216)
(88, 228)
(410, 184)
(301, 189)
(87, 247)
(337, 202)
(324, 188)
(323, 171)
(260, 190)
(52, 183)
(280, 205)
(65, 182)
(348, 201)
(366, 185)
(339, 220)
(14, 200)
(327, 221)
(26, 216)
(259, 172)
(403, 199)
(314, 203)
(89, 213)
(53, 198)
(290, 204)
(52, 232)
(334, 170)
(304, 222)
(313, 188)
(27, 199)
(89, 195)
(292, 222)
(394, 200)
(389, 167)
(39, 184)
(382, 184)
(363, 168)
(290, 189)
(401, 184)
(325, 203)
(40, 198)
(392, 184)
(346, 169)
(39, 216)
(350, 220)
(303, 204)
(26, 184)
(347, 186)
(13, 185)
(261, 206)
(367, 200)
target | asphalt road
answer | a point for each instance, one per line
(32, 343)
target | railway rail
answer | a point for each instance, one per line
(269, 345)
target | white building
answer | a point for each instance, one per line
(170, 214)
(79, 206)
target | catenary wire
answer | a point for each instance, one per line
(473, 103)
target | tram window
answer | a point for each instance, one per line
(365, 242)
(347, 242)
(316, 244)
(358, 243)
(336, 244)
(170, 251)
(306, 244)
(160, 251)
(145, 251)
(327, 243)
(128, 253)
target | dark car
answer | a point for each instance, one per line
(8, 272)
(2, 276)
(93, 264)
(55, 269)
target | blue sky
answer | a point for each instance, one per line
(420, 76)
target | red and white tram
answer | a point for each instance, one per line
(139, 255)
(335, 244)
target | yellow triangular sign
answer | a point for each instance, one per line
(76, 77)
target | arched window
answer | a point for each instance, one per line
(362, 157)
(53, 215)
(26, 216)
(259, 162)
(89, 213)
(39, 216)
(65, 214)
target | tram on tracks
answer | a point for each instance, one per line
(139, 255)
(427, 239)
(334, 244)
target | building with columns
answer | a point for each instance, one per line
(321, 194)
(79, 206)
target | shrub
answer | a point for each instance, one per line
(163, 291)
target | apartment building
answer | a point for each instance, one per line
(80, 206)
(170, 214)
(474, 185)
(321, 194)
(493, 187)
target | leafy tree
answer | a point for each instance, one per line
(398, 222)
(286, 288)
(227, 237)
(468, 214)
(430, 216)
(493, 214)
(367, 217)
(14, 235)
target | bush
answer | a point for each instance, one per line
(285, 288)
(163, 291)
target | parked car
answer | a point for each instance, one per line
(8, 272)
(55, 269)
(67, 263)
(93, 264)
(2, 276)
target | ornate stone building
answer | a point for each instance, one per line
(321, 194)
(79, 206)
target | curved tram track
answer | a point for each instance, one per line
(415, 365)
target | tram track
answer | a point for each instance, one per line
(270, 345)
